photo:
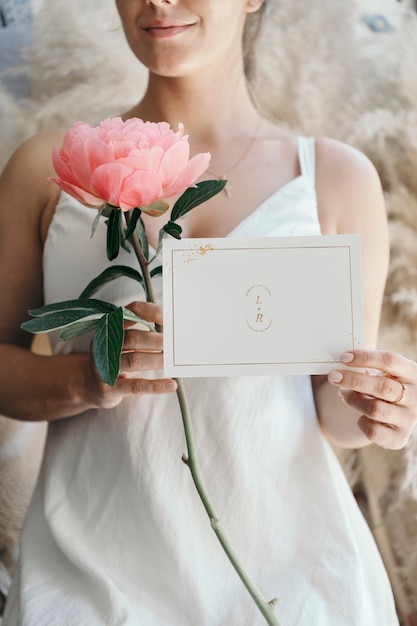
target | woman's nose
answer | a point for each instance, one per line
(160, 2)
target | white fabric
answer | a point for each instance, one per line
(116, 534)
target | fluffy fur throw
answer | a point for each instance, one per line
(320, 72)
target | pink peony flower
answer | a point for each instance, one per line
(126, 164)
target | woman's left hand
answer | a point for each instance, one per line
(384, 392)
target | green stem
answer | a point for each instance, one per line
(266, 608)
(142, 261)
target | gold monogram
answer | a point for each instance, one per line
(258, 308)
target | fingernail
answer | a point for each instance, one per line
(170, 385)
(347, 357)
(335, 376)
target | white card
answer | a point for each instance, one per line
(260, 306)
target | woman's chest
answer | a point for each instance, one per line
(244, 192)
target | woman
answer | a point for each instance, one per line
(115, 533)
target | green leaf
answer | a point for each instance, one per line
(157, 271)
(95, 223)
(61, 314)
(143, 238)
(74, 319)
(114, 234)
(80, 327)
(193, 196)
(173, 229)
(133, 219)
(129, 316)
(162, 234)
(104, 211)
(156, 208)
(83, 304)
(109, 274)
(125, 245)
(59, 319)
(107, 346)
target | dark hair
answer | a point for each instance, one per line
(253, 27)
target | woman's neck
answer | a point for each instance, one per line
(210, 110)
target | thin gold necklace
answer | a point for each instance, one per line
(227, 188)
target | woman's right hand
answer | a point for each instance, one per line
(142, 352)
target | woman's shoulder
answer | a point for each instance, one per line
(25, 188)
(347, 183)
(35, 152)
(340, 159)
(334, 158)
(31, 162)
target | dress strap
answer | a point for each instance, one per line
(307, 158)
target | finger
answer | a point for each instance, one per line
(148, 311)
(388, 362)
(375, 409)
(379, 423)
(382, 435)
(383, 426)
(139, 361)
(144, 386)
(382, 387)
(143, 340)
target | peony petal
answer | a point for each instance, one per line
(98, 153)
(111, 123)
(174, 163)
(63, 161)
(141, 188)
(107, 181)
(79, 163)
(79, 129)
(156, 155)
(122, 148)
(79, 194)
(170, 138)
(138, 160)
(61, 166)
(196, 166)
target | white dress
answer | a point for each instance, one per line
(116, 535)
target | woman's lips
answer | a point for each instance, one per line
(165, 29)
